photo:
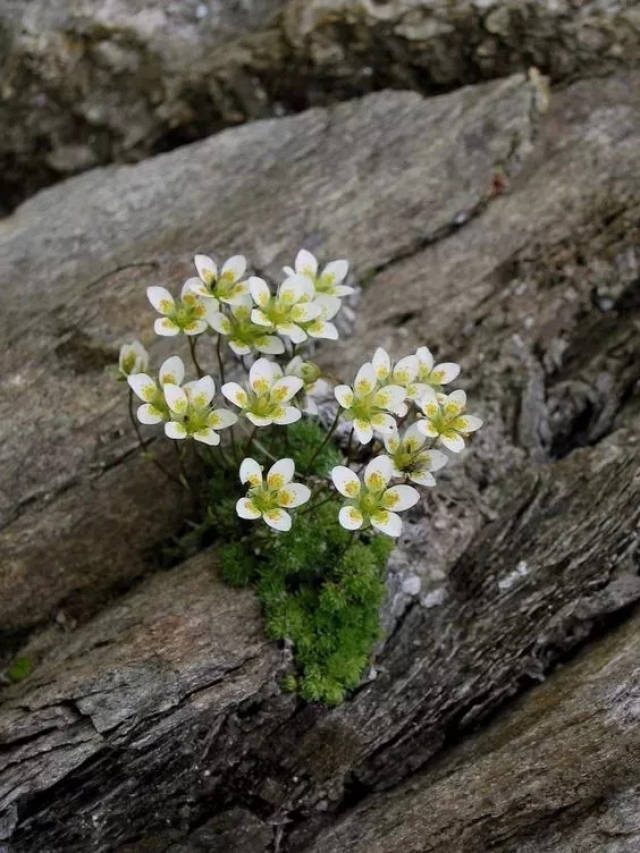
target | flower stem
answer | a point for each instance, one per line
(249, 441)
(348, 450)
(192, 347)
(324, 442)
(219, 355)
(143, 445)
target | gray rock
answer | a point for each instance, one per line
(88, 83)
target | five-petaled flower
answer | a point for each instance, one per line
(190, 314)
(242, 333)
(330, 279)
(155, 409)
(411, 459)
(284, 312)
(272, 499)
(313, 385)
(227, 286)
(445, 420)
(368, 406)
(264, 401)
(133, 358)
(430, 375)
(191, 414)
(376, 503)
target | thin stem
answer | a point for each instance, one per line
(192, 346)
(249, 440)
(183, 473)
(219, 355)
(329, 497)
(264, 450)
(143, 444)
(348, 451)
(325, 441)
(234, 447)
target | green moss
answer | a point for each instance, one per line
(20, 668)
(320, 585)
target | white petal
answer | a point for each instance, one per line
(381, 363)
(341, 290)
(425, 358)
(365, 380)
(406, 370)
(280, 473)
(221, 418)
(235, 394)
(363, 431)
(260, 318)
(197, 286)
(344, 395)
(261, 375)
(294, 366)
(173, 429)
(207, 268)
(239, 348)
(220, 323)
(292, 289)
(207, 436)
(293, 495)
(197, 327)
(452, 441)
(426, 428)
(278, 519)
(259, 291)
(335, 272)
(239, 294)
(445, 372)
(176, 398)
(392, 441)
(161, 299)
(304, 312)
(211, 307)
(391, 397)
(387, 522)
(289, 416)
(472, 423)
(433, 460)
(201, 391)
(459, 398)
(270, 345)
(378, 473)
(142, 386)
(246, 509)
(399, 498)
(234, 268)
(259, 420)
(286, 388)
(288, 270)
(329, 305)
(384, 424)
(346, 481)
(320, 329)
(306, 264)
(413, 438)
(148, 414)
(172, 371)
(165, 327)
(429, 401)
(292, 331)
(423, 478)
(250, 472)
(350, 518)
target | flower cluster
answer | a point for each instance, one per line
(396, 411)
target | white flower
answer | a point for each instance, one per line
(376, 504)
(445, 419)
(285, 311)
(155, 409)
(367, 405)
(191, 414)
(227, 286)
(320, 327)
(189, 314)
(313, 385)
(264, 401)
(243, 334)
(430, 375)
(410, 459)
(133, 358)
(402, 374)
(270, 500)
(330, 279)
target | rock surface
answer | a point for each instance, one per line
(158, 724)
(86, 83)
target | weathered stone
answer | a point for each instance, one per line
(475, 227)
(69, 487)
(88, 83)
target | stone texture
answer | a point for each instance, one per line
(472, 228)
(87, 83)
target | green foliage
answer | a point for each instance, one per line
(20, 668)
(300, 441)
